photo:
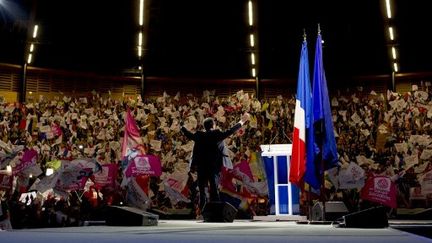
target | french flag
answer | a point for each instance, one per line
(302, 118)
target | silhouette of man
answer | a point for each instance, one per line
(207, 155)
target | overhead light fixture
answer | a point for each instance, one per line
(35, 31)
(141, 13)
(252, 58)
(395, 66)
(253, 72)
(31, 47)
(252, 40)
(391, 33)
(29, 59)
(139, 51)
(394, 52)
(250, 10)
(140, 39)
(388, 8)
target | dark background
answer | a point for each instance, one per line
(199, 38)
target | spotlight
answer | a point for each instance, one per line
(49, 172)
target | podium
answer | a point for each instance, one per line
(283, 196)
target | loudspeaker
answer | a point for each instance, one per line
(375, 217)
(333, 211)
(219, 212)
(128, 216)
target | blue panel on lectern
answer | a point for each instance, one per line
(283, 199)
(282, 169)
(269, 169)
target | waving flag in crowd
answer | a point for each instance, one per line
(131, 138)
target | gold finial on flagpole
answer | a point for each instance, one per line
(319, 29)
(304, 34)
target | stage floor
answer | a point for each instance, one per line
(198, 231)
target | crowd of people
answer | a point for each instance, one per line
(382, 133)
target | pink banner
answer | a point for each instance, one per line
(105, 177)
(380, 189)
(29, 158)
(241, 172)
(144, 165)
(56, 130)
(71, 180)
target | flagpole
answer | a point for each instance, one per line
(308, 191)
(322, 160)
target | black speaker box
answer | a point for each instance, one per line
(333, 210)
(129, 216)
(375, 217)
(219, 212)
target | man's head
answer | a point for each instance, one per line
(208, 123)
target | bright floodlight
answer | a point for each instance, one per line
(35, 31)
(395, 66)
(29, 59)
(49, 172)
(253, 58)
(250, 10)
(252, 40)
(140, 39)
(139, 51)
(388, 7)
(141, 13)
(394, 53)
(391, 33)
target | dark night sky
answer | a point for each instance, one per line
(198, 38)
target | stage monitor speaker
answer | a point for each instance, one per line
(219, 212)
(375, 217)
(129, 216)
(333, 210)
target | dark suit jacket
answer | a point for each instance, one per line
(207, 154)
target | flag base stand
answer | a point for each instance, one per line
(315, 222)
(273, 218)
(321, 222)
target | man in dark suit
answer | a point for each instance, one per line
(207, 155)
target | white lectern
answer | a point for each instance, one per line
(283, 196)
